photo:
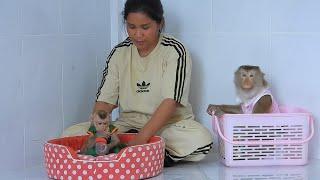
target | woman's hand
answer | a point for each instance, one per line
(138, 139)
(159, 119)
(103, 106)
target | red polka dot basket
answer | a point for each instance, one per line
(135, 162)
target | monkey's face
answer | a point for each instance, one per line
(247, 79)
(101, 120)
(101, 124)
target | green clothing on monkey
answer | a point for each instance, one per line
(92, 151)
(92, 128)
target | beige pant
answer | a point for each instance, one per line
(185, 140)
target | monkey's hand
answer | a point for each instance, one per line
(114, 141)
(215, 109)
(210, 109)
(89, 143)
(218, 112)
(104, 134)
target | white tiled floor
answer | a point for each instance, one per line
(209, 169)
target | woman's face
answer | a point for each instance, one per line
(143, 31)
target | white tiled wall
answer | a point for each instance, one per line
(245, 16)
(12, 123)
(39, 17)
(52, 54)
(295, 16)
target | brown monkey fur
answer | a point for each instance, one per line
(101, 121)
(249, 81)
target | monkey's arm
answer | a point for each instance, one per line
(263, 105)
(114, 141)
(88, 144)
(231, 109)
(219, 110)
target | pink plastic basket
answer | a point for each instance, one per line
(264, 139)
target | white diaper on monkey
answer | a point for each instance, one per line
(248, 106)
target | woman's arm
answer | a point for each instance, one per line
(108, 92)
(104, 106)
(159, 119)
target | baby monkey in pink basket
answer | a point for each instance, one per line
(252, 90)
(102, 137)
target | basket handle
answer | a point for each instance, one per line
(217, 128)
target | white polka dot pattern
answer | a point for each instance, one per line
(134, 162)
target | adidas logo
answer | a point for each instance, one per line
(143, 87)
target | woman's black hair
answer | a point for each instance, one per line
(152, 8)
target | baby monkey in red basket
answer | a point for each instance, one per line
(102, 138)
(252, 90)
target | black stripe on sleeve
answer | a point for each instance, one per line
(126, 42)
(184, 63)
(181, 66)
